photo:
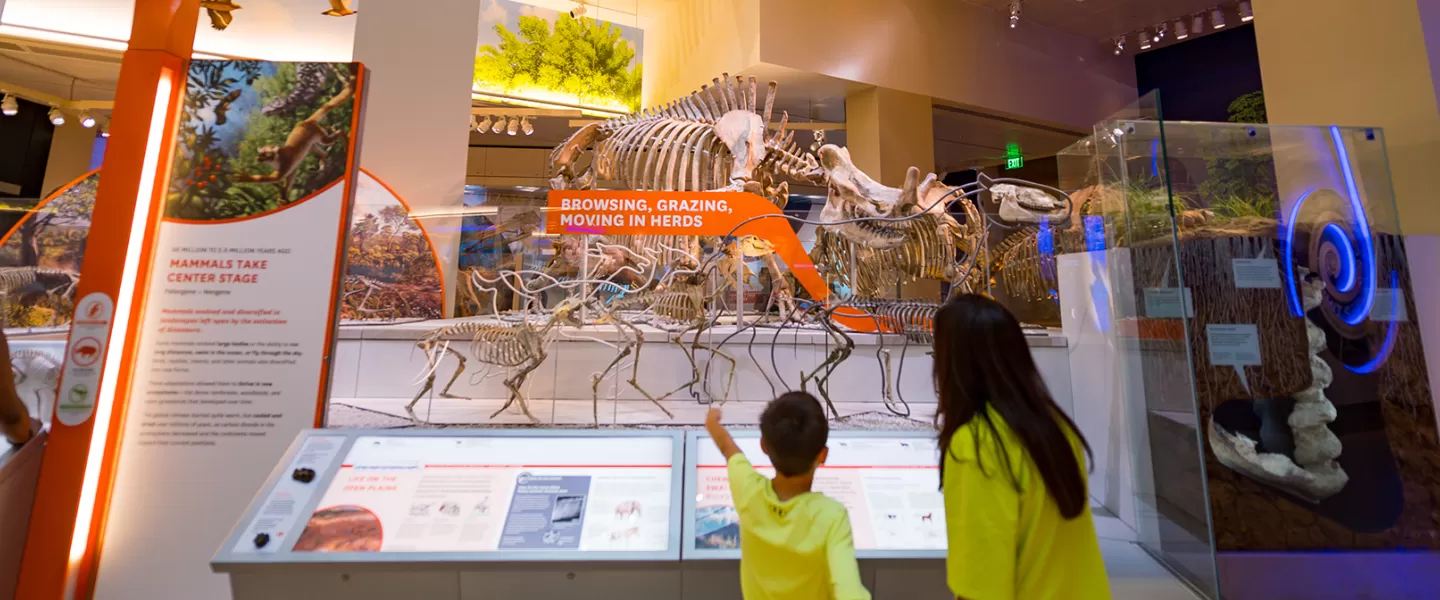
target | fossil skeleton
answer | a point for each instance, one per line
(519, 346)
(53, 283)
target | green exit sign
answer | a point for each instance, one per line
(1013, 158)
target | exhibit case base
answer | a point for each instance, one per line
(378, 369)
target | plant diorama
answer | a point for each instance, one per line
(581, 60)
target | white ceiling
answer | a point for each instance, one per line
(1098, 19)
(68, 72)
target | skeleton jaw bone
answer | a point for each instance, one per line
(1020, 204)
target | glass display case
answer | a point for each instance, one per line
(1248, 287)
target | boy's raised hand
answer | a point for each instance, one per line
(717, 432)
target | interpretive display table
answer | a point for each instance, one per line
(888, 482)
(539, 514)
(463, 514)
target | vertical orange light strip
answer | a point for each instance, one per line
(80, 457)
(124, 303)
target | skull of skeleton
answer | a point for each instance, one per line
(1019, 204)
(854, 195)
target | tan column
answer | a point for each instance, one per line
(70, 152)
(417, 108)
(1341, 62)
(888, 132)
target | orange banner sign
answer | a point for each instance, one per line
(612, 212)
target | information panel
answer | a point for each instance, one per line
(482, 494)
(888, 483)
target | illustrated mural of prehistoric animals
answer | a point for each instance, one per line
(391, 270)
(258, 136)
(40, 257)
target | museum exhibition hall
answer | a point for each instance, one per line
(475, 272)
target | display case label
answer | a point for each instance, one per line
(1165, 303)
(1256, 273)
(1233, 345)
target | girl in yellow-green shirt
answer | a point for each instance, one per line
(1016, 506)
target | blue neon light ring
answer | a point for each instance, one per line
(1362, 232)
(1335, 235)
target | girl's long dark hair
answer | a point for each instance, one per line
(983, 361)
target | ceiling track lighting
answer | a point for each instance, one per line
(499, 126)
(526, 126)
(1014, 14)
(1160, 32)
(1144, 40)
(1181, 30)
(105, 130)
(1119, 45)
(1198, 24)
(57, 118)
(86, 120)
(1246, 15)
(484, 125)
(1217, 18)
(579, 10)
(9, 106)
(514, 126)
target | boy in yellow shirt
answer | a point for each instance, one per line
(794, 543)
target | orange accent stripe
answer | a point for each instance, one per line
(89, 566)
(333, 321)
(261, 214)
(46, 561)
(58, 191)
(439, 271)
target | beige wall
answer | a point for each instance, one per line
(1341, 62)
(951, 51)
(888, 132)
(70, 152)
(417, 108)
(693, 41)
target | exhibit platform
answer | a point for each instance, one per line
(378, 368)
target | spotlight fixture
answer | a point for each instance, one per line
(1119, 45)
(86, 120)
(499, 126)
(10, 106)
(1198, 24)
(526, 126)
(514, 126)
(1181, 32)
(578, 11)
(1217, 18)
(105, 130)
(57, 118)
(1014, 14)
(1246, 15)
(484, 125)
(1161, 31)
(1144, 40)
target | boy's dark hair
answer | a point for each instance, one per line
(795, 431)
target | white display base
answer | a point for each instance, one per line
(1134, 575)
(377, 367)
